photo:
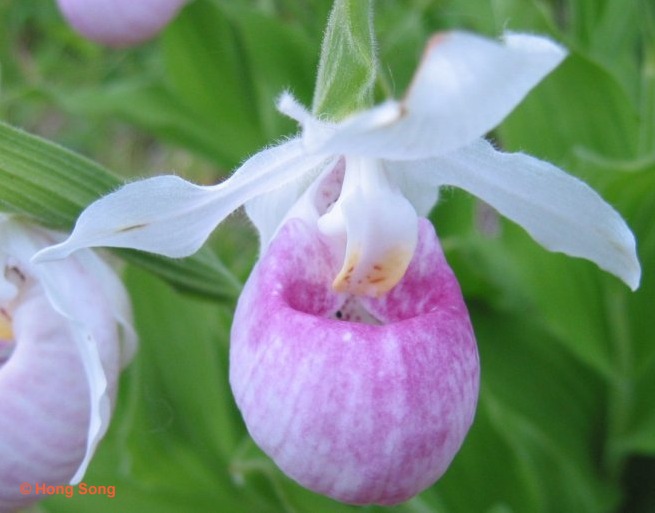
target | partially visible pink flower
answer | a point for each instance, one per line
(119, 23)
(65, 332)
(361, 399)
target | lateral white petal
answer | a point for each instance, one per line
(557, 210)
(464, 87)
(173, 217)
(165, 215)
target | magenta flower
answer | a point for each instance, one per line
(65, 332)
(353, 359)
(119, 23)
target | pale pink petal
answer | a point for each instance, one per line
(58, 380)
(44, 395)
(363, 413)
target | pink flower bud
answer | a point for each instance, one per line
(119, 23)
(362, 399)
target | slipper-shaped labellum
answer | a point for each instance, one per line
(119, 23)
(64, 335)
(362, 399)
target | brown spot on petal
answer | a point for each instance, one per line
(14, 274)
(132, 227)
(342, 281)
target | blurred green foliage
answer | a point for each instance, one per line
(566, 419)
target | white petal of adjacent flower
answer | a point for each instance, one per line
(173, 217)
(464, 87)
(111, 287)
(56, 278)
(557, 210)
(380, 228)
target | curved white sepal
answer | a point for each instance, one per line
(557, 210)
(465, 86)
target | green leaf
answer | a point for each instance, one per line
(630, 187)
(52, 185)
(279, 57)
(348, 63)
(208, 72)
(151, 106)
(47, 182)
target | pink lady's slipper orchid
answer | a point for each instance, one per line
(352, 358)
(65, 332)
(119, 23)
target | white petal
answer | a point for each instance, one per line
(8, 290)
(306, 198)
(118, 301)
(269, 210)
(172, 217)
(56, 278)
(464, 87)
(315, 131)
(379, 226)
(423, 198)
(557, 210)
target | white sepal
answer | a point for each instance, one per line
(464, 87)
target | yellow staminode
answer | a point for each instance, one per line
(373, 278)
(6, 332)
